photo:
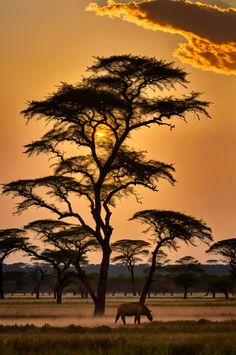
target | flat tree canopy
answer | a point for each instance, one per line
(129, 252)
(168, 229)
(10, 241)
(226, 248)
(89, 126)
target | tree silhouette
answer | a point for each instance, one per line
(58, 259)
(188, 263)
(169, 228)
(89, 127)
(188, 269)
(226, 248)
(129, 253)
(79, 242)
(36, 288)
(10, 241)
(186, 280)
(69, 243)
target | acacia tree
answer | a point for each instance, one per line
(89, 127)
(187, 267)
(186, 280)
(10, 241)
(188, 263)
(70, 245)
(79, 242)
(36, 288)
(226, 248)
(130, 252)
(58, 259)
(169, 228)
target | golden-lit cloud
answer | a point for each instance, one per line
(209, 30)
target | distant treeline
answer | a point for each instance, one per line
(41, 279)
(118, 269)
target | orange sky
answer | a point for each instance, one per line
(44, 43)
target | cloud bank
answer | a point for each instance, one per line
(209, 31)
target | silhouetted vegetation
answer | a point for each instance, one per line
(99, 115)
(168, 229)
(226, 248)
(130, 252)
(156, 338)
(69, 246)
(10, 241)
(24, 278)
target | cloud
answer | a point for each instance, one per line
(209, 30)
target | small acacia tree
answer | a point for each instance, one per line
(10, 241)
(169, 228)
(69, 246)
(186, 280)
(79, 243)
(59, 259)
(130, 252)
(188, 263)
(188, 269)
(89, 127)
(226, 248)
(36, 289)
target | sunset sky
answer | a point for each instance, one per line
(46, 42)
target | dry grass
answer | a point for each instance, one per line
(169, 338)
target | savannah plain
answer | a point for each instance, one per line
(198, 325)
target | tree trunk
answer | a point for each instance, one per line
(36, 290)
(58, 289)
(1, 281)
(133, 282)
(226, 294)
(149, 280)
(100, 301)
(83, 278)
(185, 292)
(59, 295)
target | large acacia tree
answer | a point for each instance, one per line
(89, 125)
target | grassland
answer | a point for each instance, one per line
(168, 338)
(181, 327)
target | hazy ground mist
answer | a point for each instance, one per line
(24, 311)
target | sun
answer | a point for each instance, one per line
(102, 132)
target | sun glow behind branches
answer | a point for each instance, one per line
(102, 132)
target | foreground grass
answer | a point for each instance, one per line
(161, 338)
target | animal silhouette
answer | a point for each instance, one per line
(135, 309)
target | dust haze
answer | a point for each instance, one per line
(80, 314)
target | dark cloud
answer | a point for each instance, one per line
(204, 21)
(209, 29)
(219, 3)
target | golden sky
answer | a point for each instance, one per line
(44, 43)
